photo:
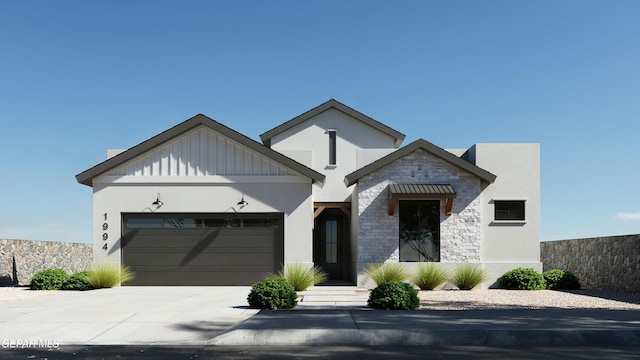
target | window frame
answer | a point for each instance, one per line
(436, 247)
(172, 221)
(509, 219)
(333, 139)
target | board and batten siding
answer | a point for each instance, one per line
(202, 152)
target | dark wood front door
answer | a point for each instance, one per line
(329, 244)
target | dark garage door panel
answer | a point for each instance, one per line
(197, 277)
(202, 256)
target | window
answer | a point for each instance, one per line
(331, 241)
(332, 147)
(419, 230)
(144, 223)
(511, 210)
(179, 223)
(226, 223)
(175, 221)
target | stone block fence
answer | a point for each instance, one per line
(20, 259)
(605, 263)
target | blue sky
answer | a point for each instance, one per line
(78, 78)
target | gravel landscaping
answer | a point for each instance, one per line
(9, 294)
(522, 299)
(457, 299)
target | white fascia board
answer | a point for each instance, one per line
(115, 179)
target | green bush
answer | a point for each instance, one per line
(301, 276)
(523, 279)
(429, 276)
(272, 294)
(108, 275)
(385, 272)
(561, 280)
(468, 276)
(394, 295)
(77, 281)
(49, 279)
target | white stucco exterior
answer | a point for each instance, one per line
(310, 140)
(207, 168)
(510, 244)
(202, 171)
(293, 198)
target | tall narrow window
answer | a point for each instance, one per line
(332, 147)
(331, 241)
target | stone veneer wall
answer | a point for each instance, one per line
(20, 259)
(605, 263)
(460, 233)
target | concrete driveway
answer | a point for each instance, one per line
(127, 315)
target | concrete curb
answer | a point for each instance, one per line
(470, 337)
(135, 343)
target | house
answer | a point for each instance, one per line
(201, 204)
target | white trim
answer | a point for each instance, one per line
(508, 222)
(115, 179)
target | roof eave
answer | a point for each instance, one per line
(397, 136)
(86, 177)
(484, 175)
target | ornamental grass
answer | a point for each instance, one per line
(468, 276)
(429, 276)
(386, 272)
(108, 275)
(301, 276)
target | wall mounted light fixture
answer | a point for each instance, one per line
(157, 202)
(242, 202)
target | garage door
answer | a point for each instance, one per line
(202, 249)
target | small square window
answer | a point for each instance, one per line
(511, 210)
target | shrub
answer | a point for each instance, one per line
(429, 276)
(561, 280)
(523, 279)
(301, 276)
(272, 294)
(77, 281)
(468, 276)
(108, 275)
(49, 279)
(394, 295)
(385, 272)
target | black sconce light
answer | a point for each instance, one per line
(157, 202)
(242, 202)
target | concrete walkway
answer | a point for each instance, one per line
(333, 297)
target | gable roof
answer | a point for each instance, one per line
(426, 146)
(333, 104)
(86, 177)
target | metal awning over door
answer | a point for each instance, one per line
(421, 191)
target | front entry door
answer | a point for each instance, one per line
(328, 245)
